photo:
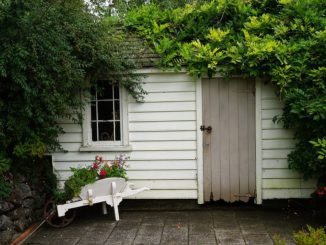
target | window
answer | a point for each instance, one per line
(105, 121)
(105, 114)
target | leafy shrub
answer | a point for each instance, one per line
(283, 41)
(309, 237)
(52, 53)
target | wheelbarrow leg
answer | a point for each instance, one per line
(104, 208)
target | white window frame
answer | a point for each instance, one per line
(122, 145)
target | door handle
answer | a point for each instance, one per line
(208, 129)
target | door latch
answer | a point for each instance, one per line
(208, 129)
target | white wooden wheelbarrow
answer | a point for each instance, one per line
(109, 191)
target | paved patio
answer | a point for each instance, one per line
(226, 225)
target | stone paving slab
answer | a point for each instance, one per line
(189, 227)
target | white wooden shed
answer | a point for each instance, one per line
(244, 154)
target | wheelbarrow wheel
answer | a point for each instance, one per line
(51, 216)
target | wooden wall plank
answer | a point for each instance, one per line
(167, 106)
(164, 145)
(162, 136)
(70, 138)
(162, 116)
(137, 165)
(277, 134)
(169, 97)
(234, 142)
(270, 114)
(171, 87)
(278, 144)
(280, 174)
(162, 126)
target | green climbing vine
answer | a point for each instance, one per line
(282, 40)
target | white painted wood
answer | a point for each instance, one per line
(269, 124)
(167, 78)
(162, 126)
(166, 184)
(169, 97)
(71, 147)
(136, 155)
(149, 175)
(280, 174)
(71, 128)
(70, 138)
(286, 193)
(167, 106)
(276, 154)
(259, 164)
(229, 149)
(166, 194)
(164, 145)
(170, 87)
(162, 136)
(280, 183)
(268, 91)
(138, 165)
(200, 165)
(270, 114)
(278, 144)
(277, 134)
(289, 183)
(275, 163)
(162, 116)
(271, 104)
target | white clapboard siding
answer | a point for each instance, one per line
(167, 78)
(162, 116)
(278, 181)
(275, 163)
(168, 97)
(70, 138)
(162, 106)
(162, 126)
(269, 124)
(271, 113)
(138, 165)
(71, 128)
(164, 145)
(171, 87)
(286, 193)
(166, 194)
(159, 136)
(162, 135)
(148, 175)
(278, 144)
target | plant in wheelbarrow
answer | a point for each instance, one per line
(80, 178)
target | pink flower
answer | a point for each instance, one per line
(97, 158)
(320, 193)
(325, 188)
(95, 166)
(103, 173)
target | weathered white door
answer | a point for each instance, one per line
(229, 139)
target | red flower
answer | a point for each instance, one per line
(103, 173)
(95, 166)
(325, 188)
(320, 193)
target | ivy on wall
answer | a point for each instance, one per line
(283, 41)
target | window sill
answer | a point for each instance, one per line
(114, 148)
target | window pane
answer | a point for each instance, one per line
(105, 131)
(117, 110)
(105, 110)
(105, 92)
(116, 92)
(94, 131)
(117, 131)
(93, 109)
